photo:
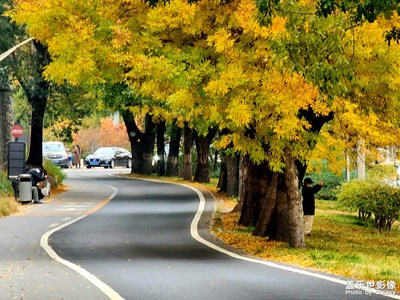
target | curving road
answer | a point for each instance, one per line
(138, 239)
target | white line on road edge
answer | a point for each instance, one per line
(44, 242)
(195, 234)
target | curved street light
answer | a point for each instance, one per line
(8, 52)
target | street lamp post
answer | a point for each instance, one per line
(8, 52)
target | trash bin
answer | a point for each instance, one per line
(25, 187)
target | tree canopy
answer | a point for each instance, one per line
(268, 74)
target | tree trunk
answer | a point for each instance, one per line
(202, 173)
(173, 154)
(222, 184)
(254, 183)
(37, 91)
(295, 212)
(186, 172)
(142, 144)
(229, 175)
(271, 201)
(35, 158)
(161, 148)
(5, 120)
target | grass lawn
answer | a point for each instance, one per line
(8, 205)
(340, 244)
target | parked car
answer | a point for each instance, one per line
(56, 153)
(109, 157)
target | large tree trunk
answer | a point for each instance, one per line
(202, 173)
(35, 158)
(229, 175)
(37, 91)
(173, 154)
(186, 172)
(253, 185)
(295, 212)
(161, 148)
(271, 201)
(5, 119)
(142, 144)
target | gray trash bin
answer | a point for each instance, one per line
(25, 187)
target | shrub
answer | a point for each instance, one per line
(5, 186)
(372, 198)
(331, 183)
(56, 176)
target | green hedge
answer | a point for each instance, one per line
(371, 197)
(5, 185)
(331, 184)
(55, 174)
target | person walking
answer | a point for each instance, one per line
(308, 192)
(76, 159)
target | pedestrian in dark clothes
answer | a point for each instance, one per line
(308, 192)
(38, 177)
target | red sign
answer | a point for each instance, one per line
(17, 131)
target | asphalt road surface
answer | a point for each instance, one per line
(111, 237)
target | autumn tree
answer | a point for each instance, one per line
(371, 111)
(6, 117)
(267, 75)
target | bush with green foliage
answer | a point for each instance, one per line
(372, 198)
(5, 185)
(55, 175)
(331, 183)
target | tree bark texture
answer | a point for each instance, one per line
(295, 212)
(173, 154)
(271, 202)
(161, 148)
(5, 121)
(202, 173)
(186, 171)
(254, 183)
(229, 175)
(142, 144)
(37, 91)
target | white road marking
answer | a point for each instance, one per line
(195, 234)
(70, 209)
(44, 242)
(54, 225)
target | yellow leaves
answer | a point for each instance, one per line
(181, 99)
(355, 124)
(231, 77)
(122, 35)
(172, 14)
(239, 113)
(223, 143)
(246, 17)
(278, 26)
(221, 40)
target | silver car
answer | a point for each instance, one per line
(56, 153)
